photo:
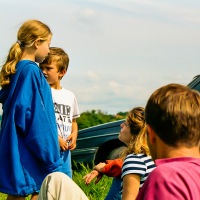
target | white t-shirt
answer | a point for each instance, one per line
(66, 109)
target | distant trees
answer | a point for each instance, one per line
(96, 117)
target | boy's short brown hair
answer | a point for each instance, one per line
(173, 111)
(59, 56)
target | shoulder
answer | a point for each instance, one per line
(159, 183)
(140, 157)
(28, 67)
(27, 73)
(68, 92)
(154, 184)
(63, 93)
(133, 163)
(138, 161)
(25, 64)
(171, 178)
(175, 167)
(164, 173)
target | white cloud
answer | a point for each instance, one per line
(120, 50)
(92, 75)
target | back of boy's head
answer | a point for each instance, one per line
(173, 111)
(58, 56)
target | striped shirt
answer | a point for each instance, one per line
(140, 164)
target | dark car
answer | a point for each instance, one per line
(98, 143)
(195, 83)
(101, 142)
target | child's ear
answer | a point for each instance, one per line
(151, 134)
(62, 73)
(37, 43)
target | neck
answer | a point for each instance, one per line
(166, 151)
(56, 86)
(28, 54)
(182, 152)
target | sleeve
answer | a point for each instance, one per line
(133, 165)
(113, 168)
(35, 117)
(76, 113)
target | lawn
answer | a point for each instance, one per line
(94, 192)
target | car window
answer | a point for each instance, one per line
(197, 87)
(195, 83)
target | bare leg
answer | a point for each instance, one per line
(10, 197)
(34, 196)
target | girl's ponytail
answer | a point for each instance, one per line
(8, 68)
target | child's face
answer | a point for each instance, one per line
(125, 135)
(52, 74)
(42, 49)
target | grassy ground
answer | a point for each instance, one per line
(94, 192)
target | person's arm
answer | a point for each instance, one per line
(133, 169)
(35, 118)
(100, 167)
(63, 144)
(73, 136)
(93, 174)
(131, 184)
(113, 168)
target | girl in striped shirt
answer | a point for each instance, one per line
(134, 164)
(137, 163)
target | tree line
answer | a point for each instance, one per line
(96, 117)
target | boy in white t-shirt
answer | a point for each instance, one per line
(66, 109)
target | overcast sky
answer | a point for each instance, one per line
(120, 50)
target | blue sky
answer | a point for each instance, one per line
(120, 50)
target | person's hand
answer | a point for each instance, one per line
(100, 166)
(72, 141)
(63, 144)
(93, 174)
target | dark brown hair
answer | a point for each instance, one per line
(173, 111)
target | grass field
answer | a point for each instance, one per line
(94, 192)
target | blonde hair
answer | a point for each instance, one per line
(29, 32)
(138, 144)
(57, 55)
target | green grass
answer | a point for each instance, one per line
(2, 196)
(92, 191)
